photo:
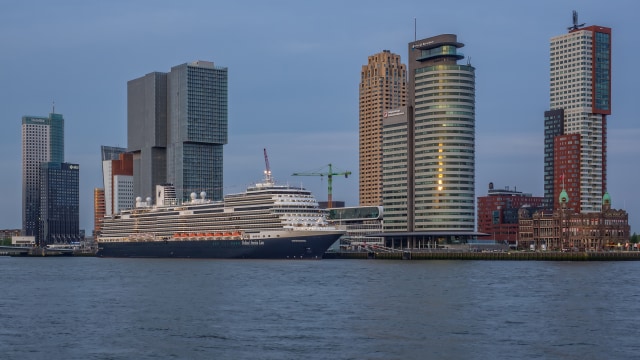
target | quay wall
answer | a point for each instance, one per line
(539, 256)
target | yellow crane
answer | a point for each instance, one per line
(329, 176)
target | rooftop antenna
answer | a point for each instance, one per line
(575, 26)
(53, 111)
(415, 26)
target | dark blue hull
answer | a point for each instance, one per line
(301, 247)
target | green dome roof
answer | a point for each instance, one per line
(564, 197)
(606, 198)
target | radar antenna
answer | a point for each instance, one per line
(575, 26)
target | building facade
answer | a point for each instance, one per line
(553, 126)
(396, 144)
(358, 223)
(60, 203)
(147, 131)
(567, 230)
(580, 73)
(442, 95)
(42, 141)
(197, 128)
(177, 126)
(498, 212)
(117, 174)
(98, 210)
(383, 82)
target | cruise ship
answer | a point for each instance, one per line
(267, 221)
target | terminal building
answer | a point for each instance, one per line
(359, 223)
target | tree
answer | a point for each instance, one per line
(634, 238)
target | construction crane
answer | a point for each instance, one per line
(329, 176)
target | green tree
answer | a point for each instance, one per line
(634, 238)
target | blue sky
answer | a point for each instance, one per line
(294, 68)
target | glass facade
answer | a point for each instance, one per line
(42, 141)
(59, 203)
(444, 150)
(197, 121)
(602, 71)
(553, 126)
(355, 213)
(396, 172)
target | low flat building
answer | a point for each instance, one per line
(359, 222)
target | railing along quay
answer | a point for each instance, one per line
(513, 255)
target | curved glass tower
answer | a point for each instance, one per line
(442, 94)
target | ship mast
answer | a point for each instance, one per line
(267, 171)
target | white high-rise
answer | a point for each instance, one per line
(42, 141)
(580, 86)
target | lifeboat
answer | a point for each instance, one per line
(218, 234)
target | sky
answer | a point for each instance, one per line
(294, 70)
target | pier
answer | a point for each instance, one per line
(38, 251)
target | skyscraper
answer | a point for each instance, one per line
(197, 128)
(59, 208)
(177, 126)
(580, 73)
(442, 156)
(98, 210)
(382, 87)
(42, 141)
(147, 131)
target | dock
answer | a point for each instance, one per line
(40, 252)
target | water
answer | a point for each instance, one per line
(92, 308)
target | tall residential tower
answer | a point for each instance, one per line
(580, 94)
(382, 87)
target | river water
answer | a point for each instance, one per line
(94, 308)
